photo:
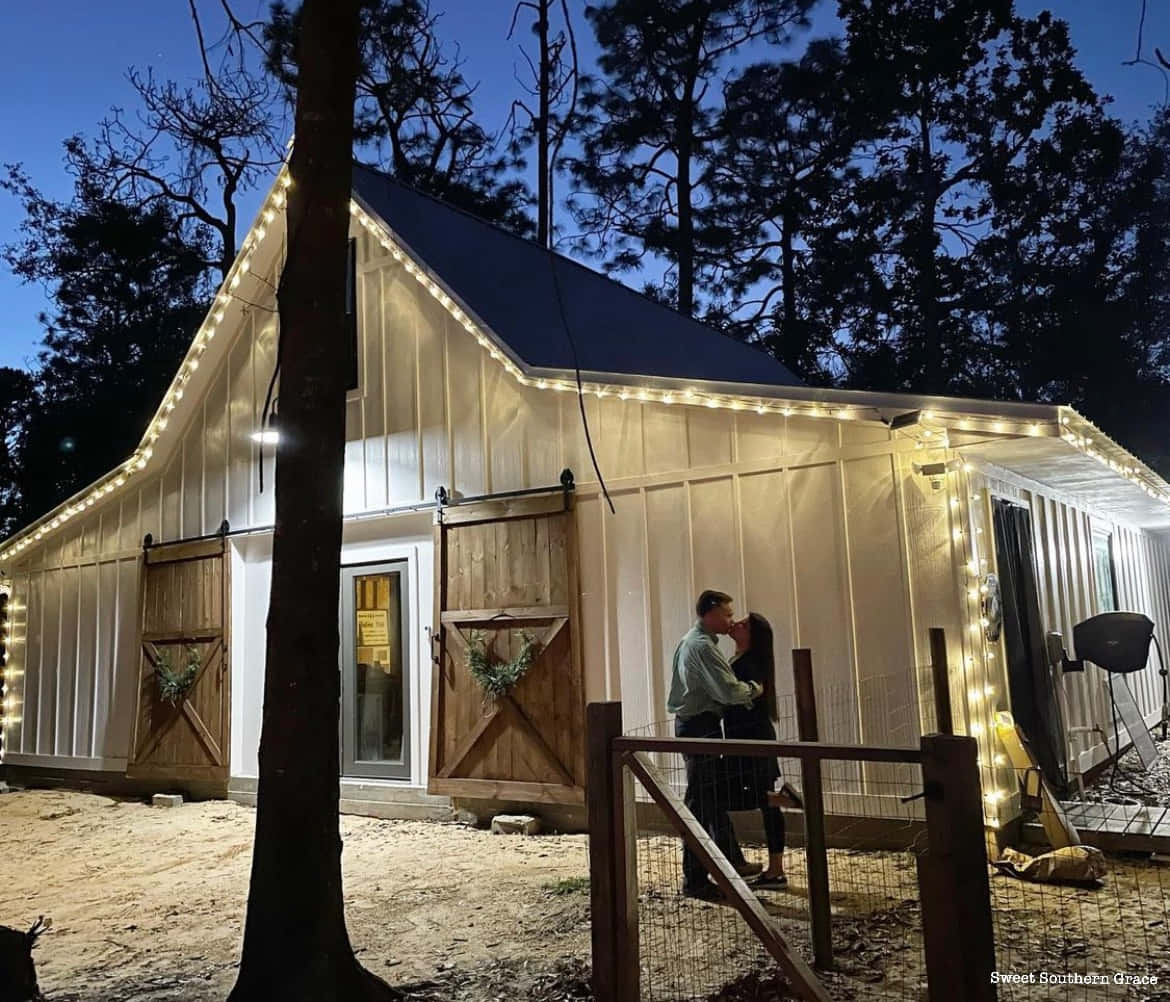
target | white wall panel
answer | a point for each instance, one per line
(125, 694)
(758, 436)
(934, 582)
(591, 550)
(708, 436)
(765, 541)
(106, 615)
(14, 736)
(263, 365)
(670, 596)
(215, 454)
(824, 622)
(715, 553)
(241, 472)
(664, 437)
(86, 659)
(576, 449)
(192, 489)
(434, 438)
(626, 605)
(507, 421)
(172, 500)
(469, 470)
(803, 435)
(34, 674)
(91, 533)
(888, 696)
(50, 681)
(376, 359)
(141, 514)
(401, 382)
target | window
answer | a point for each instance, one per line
(1104, 572)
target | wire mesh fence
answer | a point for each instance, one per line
(696, 949)
(1083, 940)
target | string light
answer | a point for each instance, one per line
(1077, 433)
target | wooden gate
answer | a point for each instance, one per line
(184, 623)
(506, 571)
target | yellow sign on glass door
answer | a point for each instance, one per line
(373, 627)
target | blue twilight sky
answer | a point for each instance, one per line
(63, 64)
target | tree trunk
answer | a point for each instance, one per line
(543, 167)
(296, 947)
(934, 380)
(685, 135)
(788, 266)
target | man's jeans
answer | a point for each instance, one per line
(704, 796)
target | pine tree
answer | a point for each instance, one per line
(1075, 279)
(127, 290)
(17, 396)
(969, 87)
(553, 89)
(787, 142)
(649, 121)
(414, 109)
(296, 946)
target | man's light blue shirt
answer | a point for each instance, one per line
(701, 679)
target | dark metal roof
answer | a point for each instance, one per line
(507, 282)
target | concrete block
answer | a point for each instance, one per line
(167, 800)
(515, 824)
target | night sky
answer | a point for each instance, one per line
(63, 64)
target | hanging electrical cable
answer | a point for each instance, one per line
(552, 263)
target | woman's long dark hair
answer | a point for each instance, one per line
(763, 647)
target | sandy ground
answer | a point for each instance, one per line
(148, 904)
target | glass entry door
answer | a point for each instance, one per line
(375, 686)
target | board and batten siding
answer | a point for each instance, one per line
(1063, 545)
(818, 547)
(816, 523)
(77, 593)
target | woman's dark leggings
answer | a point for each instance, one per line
(743, 797)
(773, 826)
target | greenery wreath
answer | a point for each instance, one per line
(173, 685)
(494, 675)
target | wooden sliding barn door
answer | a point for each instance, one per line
(184, 608)
(503, 570)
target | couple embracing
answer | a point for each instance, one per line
(713, 698)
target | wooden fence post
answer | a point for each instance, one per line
(945, 723)
(816, 853)
(613, 888)
(952, 874)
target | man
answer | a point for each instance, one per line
(702, 684)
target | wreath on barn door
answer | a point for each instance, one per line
(495, 676)
(174, 685)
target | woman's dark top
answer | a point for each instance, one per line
(751, 722)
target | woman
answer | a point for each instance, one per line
(752, 779)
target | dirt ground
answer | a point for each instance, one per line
(148, 905)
